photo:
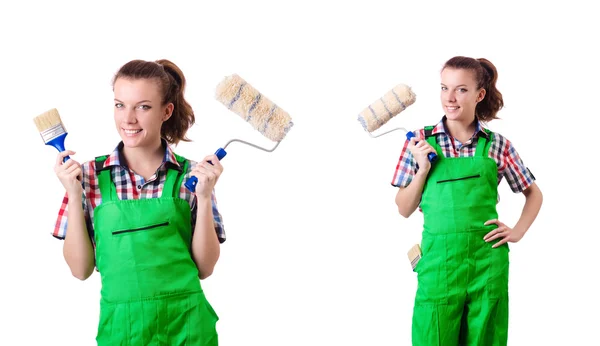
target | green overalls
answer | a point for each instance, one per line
(462, 293)
(151, 293)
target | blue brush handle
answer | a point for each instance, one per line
(192, 181)
(431, 156)
(59, 144)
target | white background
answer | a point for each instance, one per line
(316, 251)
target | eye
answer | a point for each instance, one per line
(144, 107)
(444, 88)
(118, 105)
(462, 90)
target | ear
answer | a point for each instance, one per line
(481, 95)
(168, 112)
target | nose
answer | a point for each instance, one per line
(130, 117)
(450, 96)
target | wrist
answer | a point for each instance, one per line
(203, 200)
(422, 172)
(75, 195)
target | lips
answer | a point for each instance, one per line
(131, 132)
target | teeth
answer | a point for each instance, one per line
(452, 108)
(131, 132)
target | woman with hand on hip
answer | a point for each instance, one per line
(462, 294)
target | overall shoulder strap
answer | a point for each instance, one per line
(483, 144)
(430, 137)
(175, 178)
(107, 188)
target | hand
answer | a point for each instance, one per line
(420, 151)
(207, 174)
(506, 233)
(69, 173)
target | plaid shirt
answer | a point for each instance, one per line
(507, 159)
(130, 185)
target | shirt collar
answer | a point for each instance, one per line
(479, 129)
(169, 160)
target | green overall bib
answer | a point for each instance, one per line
(151, 293)
(462, 293)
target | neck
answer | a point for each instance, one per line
(462, 130)
(144, 160)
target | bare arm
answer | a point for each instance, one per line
(533, 204)
(77, 247)
(205, 243)
(408, 198)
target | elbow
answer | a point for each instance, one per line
(204, 274)
(80, 269)
(404, 212)
(81, 274)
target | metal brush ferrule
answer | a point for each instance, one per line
(53, 132)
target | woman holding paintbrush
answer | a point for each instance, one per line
(130, 216)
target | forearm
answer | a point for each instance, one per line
(77, 247)
(533, 204)
(408, 198)
(205, 243)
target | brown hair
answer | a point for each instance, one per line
(486, 76)
(172, 84)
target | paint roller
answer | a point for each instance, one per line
(256, 109)
(385, 108)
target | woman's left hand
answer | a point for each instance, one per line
(505, 233)
(207, 174)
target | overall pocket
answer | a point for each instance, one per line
(431, 271)
(144, 228)
(498, 272)
(457, 179)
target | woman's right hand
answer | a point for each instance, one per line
(69, 173)
(420, 151)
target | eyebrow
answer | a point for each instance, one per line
(137, 103)
(463, 85)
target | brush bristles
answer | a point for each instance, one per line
(47, 120)
(260, 112)
(391, 104)
(414, 255)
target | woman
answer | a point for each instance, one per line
(130, 216)
(462, 294)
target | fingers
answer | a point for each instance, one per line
(411, 143)
(74, 170)
(214, 161)
(204, 174)
(61, 156)
(493, 234)
(207, 172)
(212, 164)
(64, 167)
(500, 234)
(501, 242)
(489, 222)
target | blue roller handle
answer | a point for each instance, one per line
(192, 181)
(431, 156)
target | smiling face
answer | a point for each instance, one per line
(139, 112)
(460, 94)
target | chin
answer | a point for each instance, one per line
(452, 116)
(130, 142)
